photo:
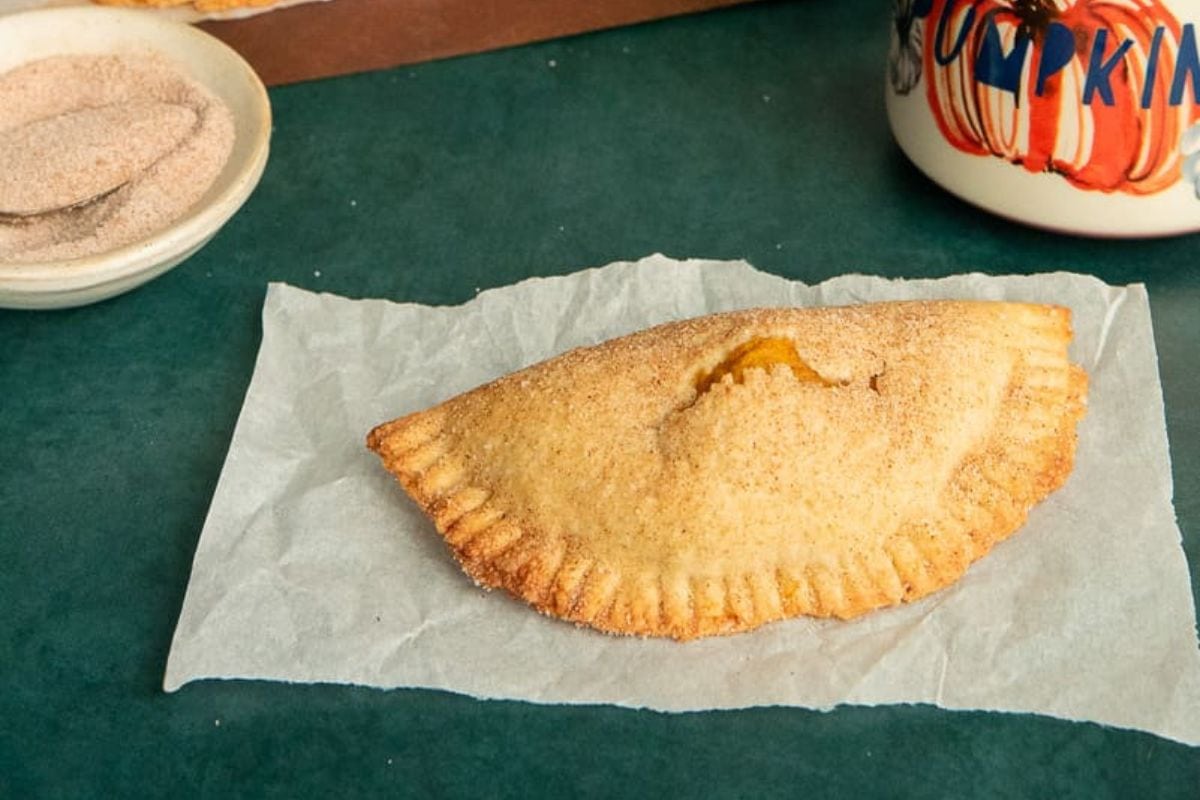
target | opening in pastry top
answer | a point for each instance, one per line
(759, 353)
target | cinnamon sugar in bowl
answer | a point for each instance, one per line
(187, 140)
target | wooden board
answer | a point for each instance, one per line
(317, 40)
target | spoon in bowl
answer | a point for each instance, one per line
(79, 158)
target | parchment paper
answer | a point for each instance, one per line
(314, 567)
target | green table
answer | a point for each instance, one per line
(756, 133)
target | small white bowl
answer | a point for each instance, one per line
(94, 31)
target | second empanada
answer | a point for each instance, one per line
(711, 475)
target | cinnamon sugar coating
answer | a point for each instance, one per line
(133, 129)
(613, 487)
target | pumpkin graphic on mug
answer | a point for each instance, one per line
(1101, 94)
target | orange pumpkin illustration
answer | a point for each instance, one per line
(1094, 90)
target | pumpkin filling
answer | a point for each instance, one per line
(759, 353)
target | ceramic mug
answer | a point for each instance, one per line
(1074, 115)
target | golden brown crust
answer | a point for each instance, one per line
(206, 6)
(612, 486)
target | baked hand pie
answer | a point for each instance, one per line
(710, 475)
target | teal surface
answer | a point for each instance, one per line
(754, 133)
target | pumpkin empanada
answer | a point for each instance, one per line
(707, 476)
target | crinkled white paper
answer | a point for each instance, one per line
(313, 565)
